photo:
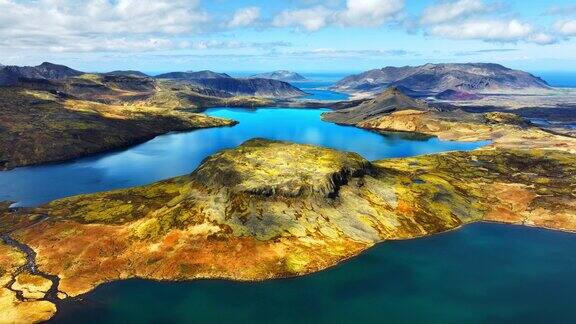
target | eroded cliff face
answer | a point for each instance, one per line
(273, 209)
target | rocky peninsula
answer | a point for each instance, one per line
(53, 113)
(269, 209)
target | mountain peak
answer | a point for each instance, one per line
(436, 78)
(191, 75)
(391, 100)
(49, 64)
(281, 75)
(12, 75)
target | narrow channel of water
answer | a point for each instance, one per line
(180, 153)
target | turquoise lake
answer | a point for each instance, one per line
(180, 153)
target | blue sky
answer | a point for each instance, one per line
(300, 35)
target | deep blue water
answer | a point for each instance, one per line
(482, 273)
(558, 78)
(318, 90)
(180, 153)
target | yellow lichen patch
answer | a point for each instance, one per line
(296, 263)
(31, 286)
(276, 168)
(13, 310)
(147, 229)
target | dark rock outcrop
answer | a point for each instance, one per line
(281, 75)
(455, 95)
(193, 75)
(235, 86)
(389, 101)
(251, 87)
(131, 73)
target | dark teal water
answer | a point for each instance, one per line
(180, 153)
(483, 273)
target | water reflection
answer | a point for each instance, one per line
(180, 153)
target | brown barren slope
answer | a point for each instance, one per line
(39, 126)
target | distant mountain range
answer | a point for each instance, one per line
(128, 73)
(236, 86)
(11, 75)
(281, 75)
(187, 76)
(209, 82)
(431, 79)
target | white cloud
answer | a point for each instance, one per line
(67, 24)
(309, 19)
(363, 13)
(245, 17)
(328, 53)
(115, 45)
(368, 12)
(492, 30)
(503, 31)
(101, 16)
(542, 38)
(216, 44)
(566, 27)
(449, 11)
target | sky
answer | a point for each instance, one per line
(298, 35)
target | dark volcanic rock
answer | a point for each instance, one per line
(193, 75)
(455, 95)
(128, 73)
(236, 87)
(389, 101)
(11, 75)
(436, 78)
(251, 87)
(281, 75)
(129, 82)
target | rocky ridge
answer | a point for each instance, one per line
(391, 100)
(431, 79)
(281, 75)
(259, 87)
